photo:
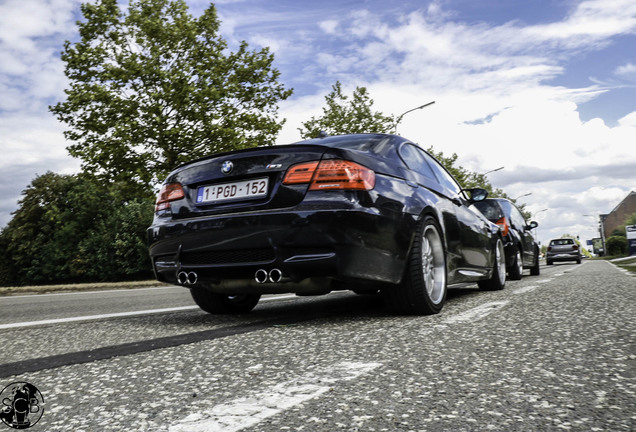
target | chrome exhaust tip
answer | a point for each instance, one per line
(275, 275)
(260, 276)
(192, 278)
(182, 278)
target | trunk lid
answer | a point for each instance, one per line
(244, 180)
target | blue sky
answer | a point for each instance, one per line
(544, 88)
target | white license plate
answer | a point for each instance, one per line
(256, 188)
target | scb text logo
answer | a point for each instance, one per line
(22, 405)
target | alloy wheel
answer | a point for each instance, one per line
(501, 262)
(433, 265)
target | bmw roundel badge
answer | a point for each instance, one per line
(227, 167)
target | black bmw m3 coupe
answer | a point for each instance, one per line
(364, 212)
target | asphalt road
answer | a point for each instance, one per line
(553, 352)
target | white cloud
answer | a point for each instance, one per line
(627, 71)
(629, 120)
(591, 23)
(329, 26)
(32, 34)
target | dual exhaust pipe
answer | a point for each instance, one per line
(261, 276)
(189, 278)
(273, 276)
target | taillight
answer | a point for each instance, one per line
(331, 174)
(169, 192)
(503, 224)
(341, 174)
(575, 247)
(301, 173)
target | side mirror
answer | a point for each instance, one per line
(532, 225)
(477, 194)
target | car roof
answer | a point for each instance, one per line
(375, 142)
(353, 140)
(500, 200)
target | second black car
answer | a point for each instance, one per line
(522, 251)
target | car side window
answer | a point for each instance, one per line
(516, 218)
(561, 242)
(443, 176)
(413, 157)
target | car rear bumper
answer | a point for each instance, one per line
(310, 248)
(563, 257)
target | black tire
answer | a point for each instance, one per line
(515, 272)
(534, 270)
(548, 262)
(224, 304)
(423, 288)
(498, 279)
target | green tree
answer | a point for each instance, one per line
(344, 115)
(631, 220)
(154, 87)
(116, 249)
(58, 218)
(620, 232)
(36, 244)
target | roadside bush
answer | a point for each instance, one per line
(71, 229)
(116, 248)
(616, 245)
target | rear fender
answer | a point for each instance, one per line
(435, 214)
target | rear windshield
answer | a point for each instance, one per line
(362, 142)
(560, 242)
(490, 209)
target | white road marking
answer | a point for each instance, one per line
(93, 317)
(476, 313)
(116, 315)
(247, 411)
(525, 289)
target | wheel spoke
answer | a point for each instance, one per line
(433, 272)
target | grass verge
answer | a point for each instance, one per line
(628, 264)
